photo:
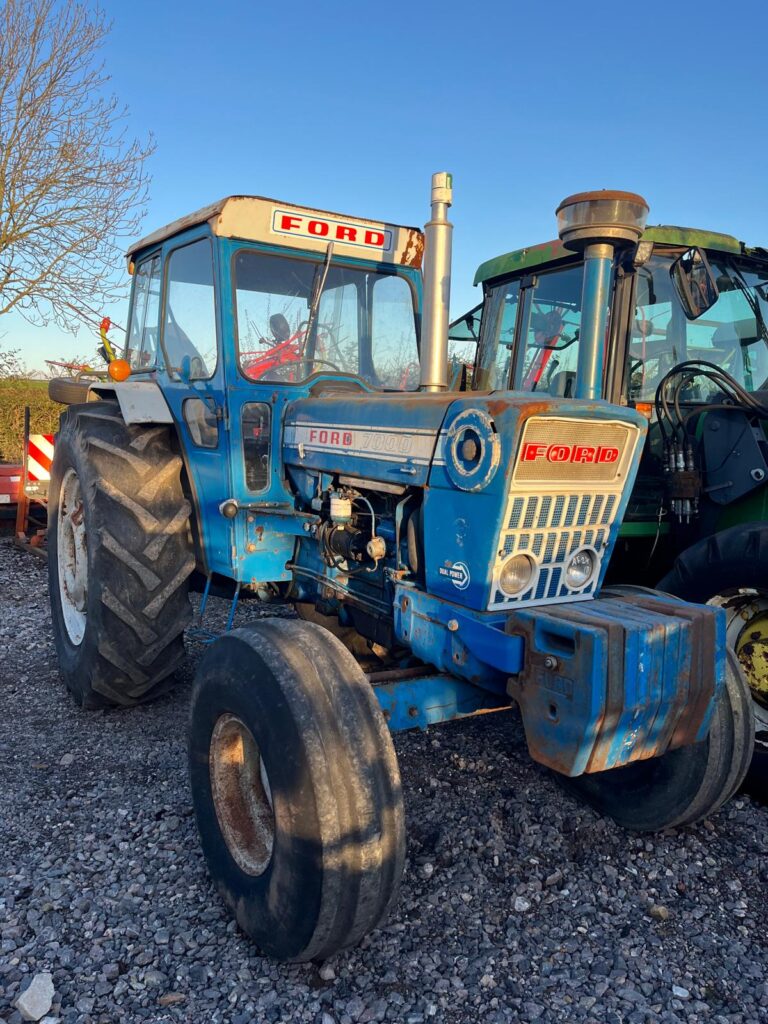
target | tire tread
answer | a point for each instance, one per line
(140, 553)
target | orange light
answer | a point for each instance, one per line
(645, 409)
(119, 369)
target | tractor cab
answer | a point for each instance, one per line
(676, 363)
(531, 318)
(686, 345)
(248, 303)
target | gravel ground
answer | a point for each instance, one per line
(517, 903)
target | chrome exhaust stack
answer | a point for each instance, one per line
(437, 287)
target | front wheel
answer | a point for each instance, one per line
(684, 785)
(296, 788)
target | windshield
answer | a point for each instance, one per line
(365, 322)
(534, 348)
(731, 333)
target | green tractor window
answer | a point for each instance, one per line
(731, 334)
(548, 321)
(551, 320)
(494, 366)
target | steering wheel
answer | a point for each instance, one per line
(322, 332)
(324, 362)
(330, 340)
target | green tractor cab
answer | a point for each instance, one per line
(687, 346)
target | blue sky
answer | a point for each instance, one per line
(351, 106)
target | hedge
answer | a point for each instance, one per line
(15, 394)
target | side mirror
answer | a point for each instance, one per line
(694, 283)
(467, 326)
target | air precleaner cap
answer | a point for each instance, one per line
(587, 218)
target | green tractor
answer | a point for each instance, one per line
(687, 346)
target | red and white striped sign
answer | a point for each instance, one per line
(39, 459)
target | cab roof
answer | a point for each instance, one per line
(260, 219)
(536, 255)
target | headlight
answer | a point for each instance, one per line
(580, 569)
(517, 574)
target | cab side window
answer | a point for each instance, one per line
(144, 327)
(257, 419)
(189, 322)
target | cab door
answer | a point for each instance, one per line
(195, 387)
(266, 525)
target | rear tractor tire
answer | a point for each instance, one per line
(296, 788)
(730, 569)
(684, 785)
(120, 556)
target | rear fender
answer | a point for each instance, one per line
(141, 401)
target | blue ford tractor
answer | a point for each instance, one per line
(283, 428)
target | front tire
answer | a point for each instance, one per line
(120, 556)
(684, 785)
(296, 788)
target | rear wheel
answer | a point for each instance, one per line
(730, 569)
(120, 556)
(296, 788)
(684, 785)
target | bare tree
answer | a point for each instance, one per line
(72, 184)
(11, 365)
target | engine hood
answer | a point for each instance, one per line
(386, 437)
(397, 438)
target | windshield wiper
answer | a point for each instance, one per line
(321, 275)
(753, 304)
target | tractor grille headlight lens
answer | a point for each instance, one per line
(580, 569)
(517, 574)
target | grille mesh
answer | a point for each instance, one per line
(585, 522)
(594, 509)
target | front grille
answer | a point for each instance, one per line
(550, 522)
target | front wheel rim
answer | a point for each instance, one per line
(72, 557)
(242, 796)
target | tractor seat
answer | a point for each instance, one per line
(562, 384)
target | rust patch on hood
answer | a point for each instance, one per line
(527, 407)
